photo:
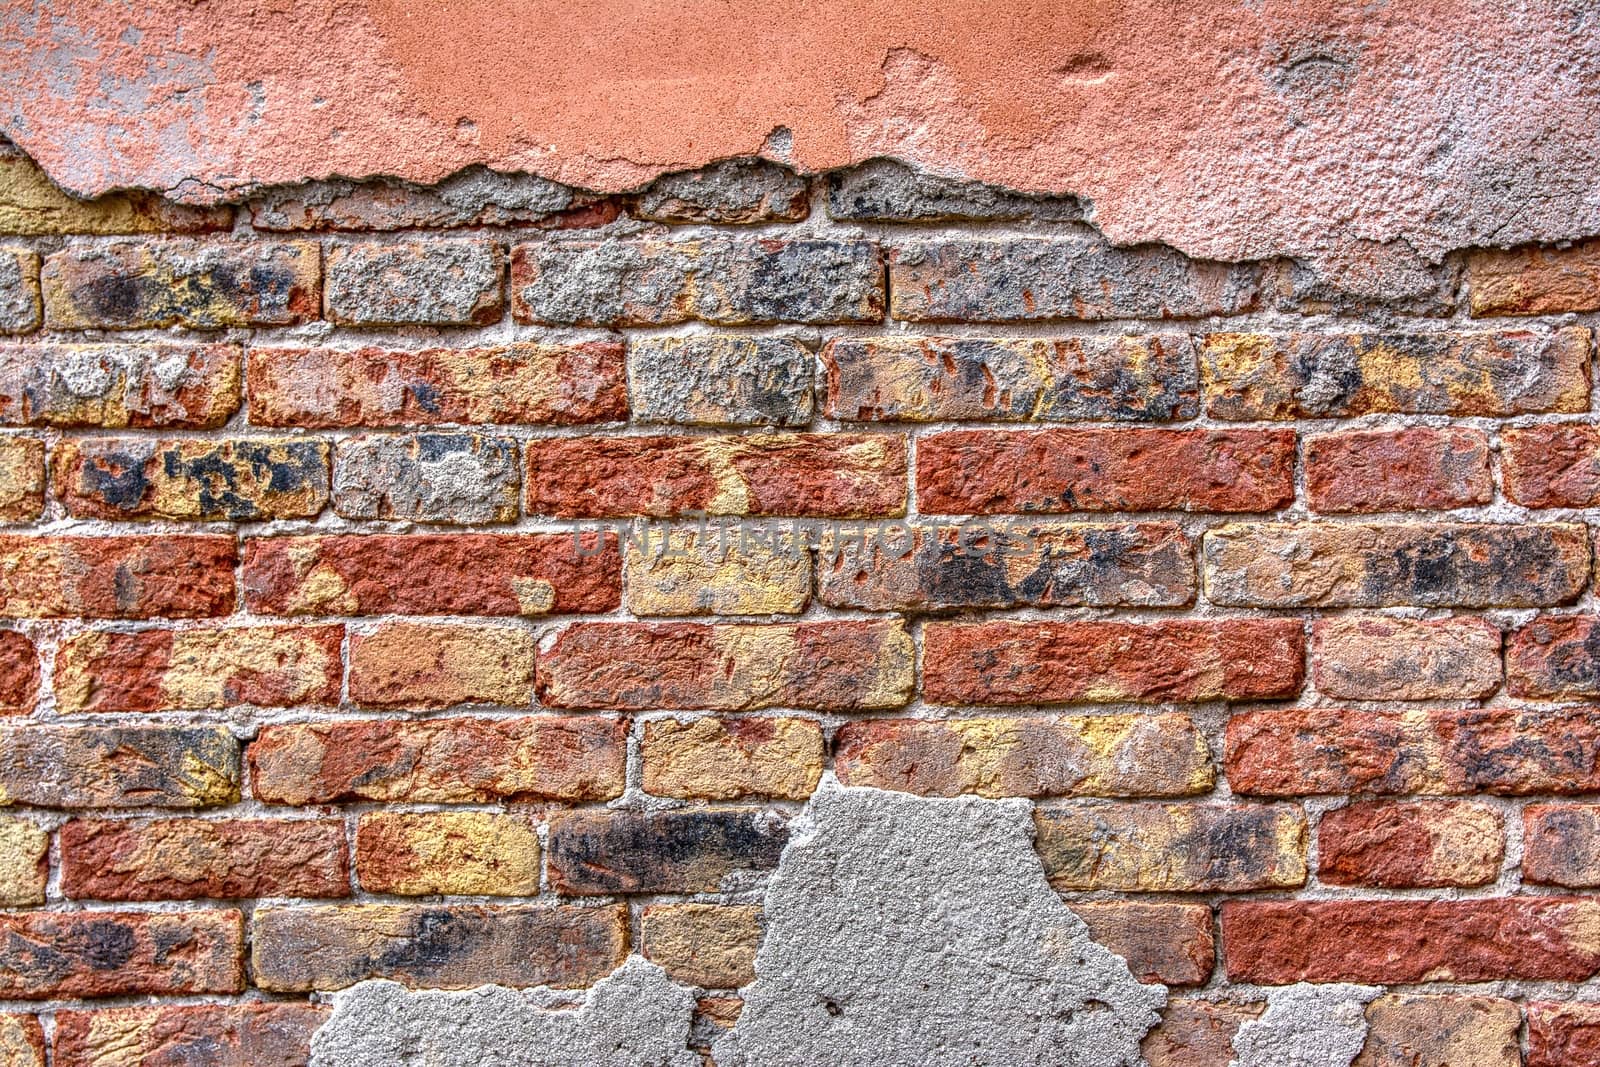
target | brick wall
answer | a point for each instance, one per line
(467, 584)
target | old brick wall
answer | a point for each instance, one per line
(467, 584)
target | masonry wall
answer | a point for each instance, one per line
(467, 584)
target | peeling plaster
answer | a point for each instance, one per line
(1306, 1026)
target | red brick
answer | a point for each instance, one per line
(728, 667)
(19, 673)
(185, 859)
(830, 475)
(441, 761)
(1398, 470)
(427, 665)
(1276, 942)
(1380, 657)
(1197, 1033)
(193, 670)
(1552, 466)
(116, 577)
(687, 850)
(433, 574)
(1555, 657)
(1535, 280)
(117, 387)
(1307, 751)
(1167, 943)
(202, 1035)
(48, 955)
(1409, 845)
(1563, 1034)
(988, 472)
(1561, 845)
(1106, 662)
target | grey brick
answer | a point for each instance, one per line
(733, 191)
(457, 478)
(442, 283)
(720, 381)
(20, 308)
(886, 190)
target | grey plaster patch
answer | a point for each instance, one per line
(634, 1017)
(1306, 1026)
(903, 930)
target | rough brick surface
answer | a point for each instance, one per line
(19, 673)
(708, 945)
(1561, 845)
(116, 577)
(440, 283)
(1535, 281)
(1402, 470)
(218, 1035)
(721, 381)
(31, 204)
(685, 570)
(716, 758)
(113, 387)
(426, 665)
(1555, 657)
(1552, 466)
(1379, 657)
(118, 766)
(886, 190)
(462, 853)
(22, 1042)
(454, 478)
(475, 196)
(46, 955)
(1561, 1034)
(1168, 943)
(1408, 1030)
(24, 863)
(1197, 1033)
(20, 308)
(691, 850)
(21, 479)
(733, 191)
(193, 479)
(1408, 845)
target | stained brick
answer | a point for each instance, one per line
(1381, 657)
(475, 196)
(1197, 1033)
(189, 670)
(1308, 375)
(1013, 280)
(1534, 280)
(729, 191)
(185, 859)
(21, 310)
(1452, 564)
(119, 386)
(434, 946)
(991, 472)
(22, 1042)
(403, 283)
(32, 205)
(116, 577)
(828, 475)
(19, 673)
(118, 766)
(1412, 1030)
(1563, 1034)
(205, 285)
(1415, 469)
(729, 667)
(215, 1035)
(933, 379)
(428, 665)
(1410, 844)
(463, 853)
(1145, 754)
(524, 382)
(21, 478)
(1167, 943)
(720, 381)
(1552, 466)
(708, 945)
(24, 865)
(441, 761)
(457, 478)
(1555, 657)
(718, 758)
(1102, 662)
(685, 570)
(433, 574)
(689, 850)
(195, 479)
(1173, 848)
(729, 281)
(1487, 939)
(1561, 845)
(48, 955)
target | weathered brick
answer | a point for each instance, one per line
(992, 472)
(19, 673)
(524, 382)
(1552, 466)
(1488, 939)
(407, 283)
(1003, 564)
(1303, 751)
(1167, 943)
(828, 475)
(433, 574)
(1014, 280)
(215, 1035)
(116, 577)
(729, 191)
(21, 478)
(708, 945)
(459, 478)
(329, 947)
(21, 310)
(185, 859)
(461, 853)
(193, 479)
(1561, 845)
(196, 670)
(1533, 280)
(22, 1043)
(887, 190)
(475, 196)
(1413, 1030)
(1197, 1033)
(119, 386)
(118, 766)
(1381, 657)
(1012, 662)
(1555, 657)
(1146, 754)
(1435, 565)
(933, 379)
(840, 666)
(1308, 375)
(716, 758)
(684, 570)
(728, 281)
(24, 864)
(49, 955)
(720, 381)
(206, 285)
(1398, 470)
(441, 761)
(427, 665)
(1380, 281)
(1173, 848)
(32, 205)
(1563, 1033)
(1410, 844)
(686, 850)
